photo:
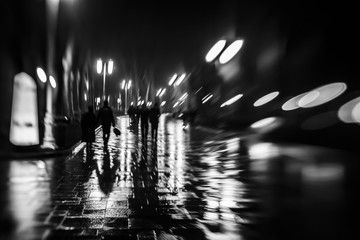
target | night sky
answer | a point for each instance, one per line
(152, 37)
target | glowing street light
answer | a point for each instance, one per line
(215, 50)
(231, 51)
(126, 85)
(103, 67)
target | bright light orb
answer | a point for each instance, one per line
(231, 51)
(215, 50)
(99, 66)
(265, 99)
(41, 74)
(52, 82)
(110, 66)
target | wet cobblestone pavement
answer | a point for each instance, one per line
(189, 184)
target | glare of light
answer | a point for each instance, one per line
(52, 82)
(327, 93)
(158, 92)
(118, 100)
(308, 98)
(180, 79)
(129, 84)
(263, 150)
(292, 103)
(348, 112)
(123, 84)
(172, 80)
(231, 100)
(162, 103)
(24, 124)
(177, 103)
(265, 99)
(162, 92)
(183, 97)
(231, 51)
(85, 96)
(132, 103)
(215, 50)
(263, 122)
(110, 66)
(207, 98)
(41, 74)
(98, 99)
(139, 103)
(99, 66)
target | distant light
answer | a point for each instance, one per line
(118, 100)
(162, 103)
(41, 74)
(162, 92)
(263, 122)
(123, 84)
(349, 112)
(132, 103)
(52, 82)
(308, 98)
(85, 96)
(231, 100)
(158, 92)
(183, 97)
(181, 78)
(265, 99)
(215, 50)
(177, 103)
(110, 66)
(326, 93)
(99, 66)
(172, 79)
(231, 51)
(129, 84)
(292, 103)
(207, 98)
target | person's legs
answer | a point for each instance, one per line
(106, 136)
(156, 131)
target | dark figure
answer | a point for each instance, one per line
(106, 119)
(154, 115)
(131, 113)
(88, 126)
(144, 117)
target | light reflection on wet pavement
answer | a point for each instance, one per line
(189, 184)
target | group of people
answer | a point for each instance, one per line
(105, 118)
(145, 115)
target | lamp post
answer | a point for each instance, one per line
(126, 85)
(104, 68)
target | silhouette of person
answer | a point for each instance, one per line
(144, 117)
(154, 115)
(131, 113)
(106, 119)
(108, 175)
(88, 126)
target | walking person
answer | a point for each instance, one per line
(154, 115)
(144, 118)
(88, 126)
(106, 119)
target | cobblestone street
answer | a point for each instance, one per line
(189, 184)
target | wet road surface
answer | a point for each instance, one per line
(191, 183)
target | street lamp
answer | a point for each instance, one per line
(101, 68)
(126, 85)
(48, 140)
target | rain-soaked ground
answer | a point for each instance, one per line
(189, 184)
